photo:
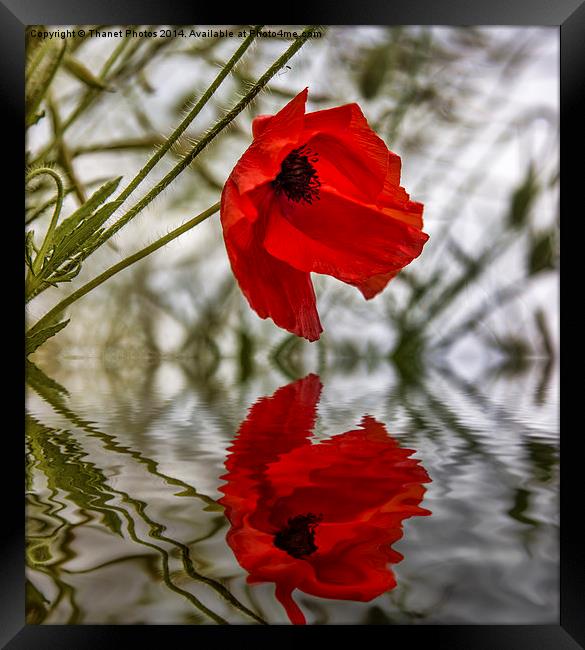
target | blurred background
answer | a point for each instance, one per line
(458, 356)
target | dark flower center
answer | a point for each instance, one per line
(297, 538)
(297, 178)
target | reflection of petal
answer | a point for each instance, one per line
(321, 517)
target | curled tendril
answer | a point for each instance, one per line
(38, 262)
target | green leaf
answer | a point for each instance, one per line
(36, 340)
(84, 211)
(40, 70)
(74, 239)
(67, 273)
(29, 249)
(84, 238)
(78, 70)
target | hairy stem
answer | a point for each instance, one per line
(214, 131)
(176, 134)
(48, 318)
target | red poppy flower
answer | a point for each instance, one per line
(320, 517)
(317, 192)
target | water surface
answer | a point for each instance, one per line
(156, 495)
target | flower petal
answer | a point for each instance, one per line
(340, 237)
(274, 138)
(340, 169)
(372, 286)
(394, 200)
(273, 288)
(348, 126)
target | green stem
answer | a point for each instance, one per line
(64, 155)
(37, 211)
(120, 266)
(38, 263)
(215, 130)
(176, 134)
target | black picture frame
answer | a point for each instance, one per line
(569, 17)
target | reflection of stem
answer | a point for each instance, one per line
(109, 563)
(475, 446)
(111, 444)
(499, 414)
(164, 556)
(155, 528)
(53, 570)
(156, 532)
(48, 510)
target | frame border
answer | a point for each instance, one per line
(569, 16)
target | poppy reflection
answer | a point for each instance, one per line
(319, 517)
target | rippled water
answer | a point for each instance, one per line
(155, 495)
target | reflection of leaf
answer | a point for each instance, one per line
(60, 458)
(520, 507)
(544, 459)
(36, 610)
(36, 378)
